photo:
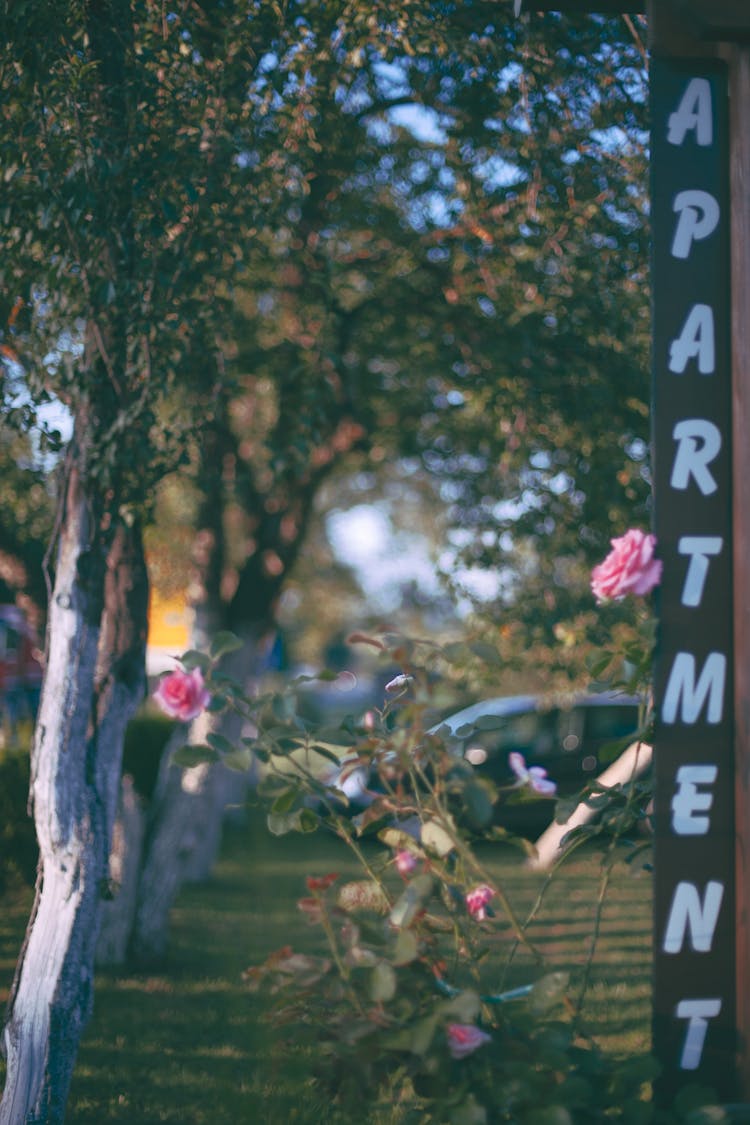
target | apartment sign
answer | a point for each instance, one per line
(694, 946)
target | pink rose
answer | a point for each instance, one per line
(629, 568)
(476, 901)
(464, 1038)
(533, 776)
(406, 862)
(182, 695)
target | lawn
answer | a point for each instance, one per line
(187, 1043)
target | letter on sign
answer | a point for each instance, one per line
(692, 457)
(688, 913)
(698, 547)
(682, 686)
(693, 112)
(698, 216)
(698, 1012)
(688, 800)
(695, 339)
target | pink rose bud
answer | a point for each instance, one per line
(629, 568)
(464, 1038)
(398, 683)
(182, 695)
(406, 862)
(477, 900)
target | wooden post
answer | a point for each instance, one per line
(738, 58)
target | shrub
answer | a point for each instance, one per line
(145, 739)
(18, 847)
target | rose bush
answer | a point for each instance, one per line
(395, 1010)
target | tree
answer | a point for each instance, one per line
(151, 156)
(445, 298)
(121, 193)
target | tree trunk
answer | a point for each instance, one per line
(124, 872)
(186, 821)
(92, 683)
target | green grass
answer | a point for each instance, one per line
(187, 1043)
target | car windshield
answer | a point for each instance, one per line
(529, 732)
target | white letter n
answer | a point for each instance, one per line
(688, 913)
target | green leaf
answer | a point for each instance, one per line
(334, 736)
(240, 759)
(422, 1035)
(308, 821)
(549, 1115)
(547, 992)
(188, 756)
(463, 1008)
(478, 805)
(469, 1112)
(285, 801)
(597, 663)
(436, 838)
(407, 947)
(399, 841)
(283, 708)
(220, 743)
(383, 982)
(224, 643)
(486, 652)
(194, 659)
(280, 825)
(409, 904)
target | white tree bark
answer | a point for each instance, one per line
(89, 693)
(124, 873)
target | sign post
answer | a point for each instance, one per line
(694, 950)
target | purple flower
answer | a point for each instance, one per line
(406, 862)
(464, 1038)
(477, 900)
(533, 776)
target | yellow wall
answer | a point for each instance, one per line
(169, 621)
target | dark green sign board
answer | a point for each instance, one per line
(694, 915)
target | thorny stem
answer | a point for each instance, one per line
(604, 881)
(470, 860)
(361, 858)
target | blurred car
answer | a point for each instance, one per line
(567, 740)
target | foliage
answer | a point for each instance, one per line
(399, 1009)
(438, 219)
(185, 1042)
(145, 739)
(18, 850)
(408, 940)
(26, 515)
